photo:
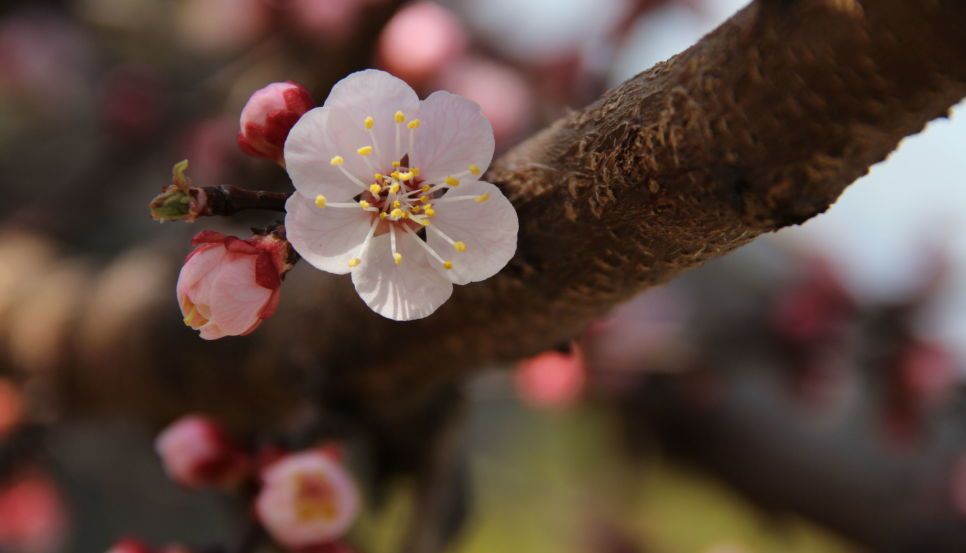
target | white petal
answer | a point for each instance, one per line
(327, 238)
(454, 134)
(376, 94)
(316, 138)
(489, 230)
(411, 290)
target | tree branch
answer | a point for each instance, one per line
(760, 125)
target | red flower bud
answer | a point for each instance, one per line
(269, 116)
(197, 453)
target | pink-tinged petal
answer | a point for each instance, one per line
(410, 290)
(320, 135)
(235, 299)
(201, 262)
(489, 230)
(454, 134)
(327, 238)
(376, 94)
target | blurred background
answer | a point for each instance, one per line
(804, 394)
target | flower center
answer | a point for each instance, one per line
(314, 498)
(398, 199)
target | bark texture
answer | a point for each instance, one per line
(758, 126)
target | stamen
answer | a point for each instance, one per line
(322, 202)
(482, 197)
(339, 161)
(394, 189)
(457, 245)
(355, 261)
(474, 170)
(412, 125)
(399, 120)
(364, 151)
(396, 256)
(407, 176)
(369, 122)
(375, 189)
(450, 181)
(478, 199)
(397, 214)
(446, 264)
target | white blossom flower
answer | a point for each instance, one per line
(387, 188)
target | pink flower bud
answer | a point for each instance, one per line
(308, 499)
(268, 117)
(197, 453)
(130, 546)
(228, 286)
(420, 40)
(551, 379)
(32, 515)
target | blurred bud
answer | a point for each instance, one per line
(197, 453)
(11, 406)
(32, 516)
(134, 546)
(551, 379)
(420, 40)
(131, 102)
(268, 117)
(228, 286)
(329, 22)
(308, 499)
(130, 546)
(502, 93)
(174, 201)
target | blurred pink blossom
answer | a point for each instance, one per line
(228, 286)
(11, 406)
(502, 93)
(131, 102)
(32, 516)
(328, 21)
(420, 40)
(308, 500)
(197, 452)
(268, 117)
(551, 379)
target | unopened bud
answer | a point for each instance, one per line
(197, 453)
(269, 116)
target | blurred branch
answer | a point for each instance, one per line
(760, 125)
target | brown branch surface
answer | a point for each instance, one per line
(760, 125)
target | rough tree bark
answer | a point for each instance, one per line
(758, 126)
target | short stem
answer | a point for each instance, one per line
(228, 200)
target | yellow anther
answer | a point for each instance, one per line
(383, 215)
(320, 201)
(364, 204)
(460, 246)
(397, 213)
(396, 164)
(415, 170)
(364, 151)
(396, 203)
(395, 175)
(407, 176)
(415, 209)
(369, 122)
(423, 199)
(474, 170)
(378, 176)
(375, 189)
(400, 117)
(394, 189)
(424, 222)
(414, 124)
(355, 261)
(397, 257)
(450, 181)
(337, 160)
(447, 264)
(425, 188)
(430, 212)
(482, 197)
